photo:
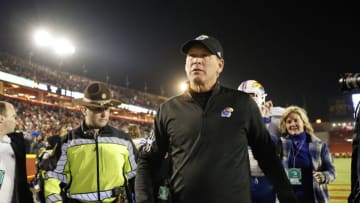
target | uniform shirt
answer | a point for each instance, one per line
(7, 168)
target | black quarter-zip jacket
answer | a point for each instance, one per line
(21, 193)
(208, 150)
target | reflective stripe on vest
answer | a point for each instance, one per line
(53, 198)
(92, 196)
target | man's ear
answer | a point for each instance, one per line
(220, 66)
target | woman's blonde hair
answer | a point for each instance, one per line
(302, 113)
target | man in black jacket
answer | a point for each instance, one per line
(354, 196)
(206, 132)
(13, 179)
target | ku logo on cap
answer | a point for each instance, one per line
(202, 37)
(226, 113)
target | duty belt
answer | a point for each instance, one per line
(118, 192)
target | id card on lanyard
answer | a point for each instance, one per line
(294, 175)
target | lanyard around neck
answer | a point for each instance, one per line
(297, 151)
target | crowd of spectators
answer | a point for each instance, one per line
(69, 81)
(41, 120)
(40, 73)
(38, 122)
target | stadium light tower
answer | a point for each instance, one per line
(42, 38)
(61, 46)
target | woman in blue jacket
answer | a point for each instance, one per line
(305, 157)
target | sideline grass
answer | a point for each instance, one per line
(340, 188)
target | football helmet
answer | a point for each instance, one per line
(255, 90)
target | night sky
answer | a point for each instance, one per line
(296, 51)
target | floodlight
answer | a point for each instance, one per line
(318, 121)
(43, 38)
(63, 47)
(183, 86)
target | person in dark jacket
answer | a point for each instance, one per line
(13, 179)
(46, 161)
(206, 132)
(354, 196)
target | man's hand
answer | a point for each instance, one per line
(266, 108)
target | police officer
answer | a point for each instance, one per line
(97, 160)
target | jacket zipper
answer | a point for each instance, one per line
(96, 133)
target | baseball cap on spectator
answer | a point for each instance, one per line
(97, 95)
(211, 43)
